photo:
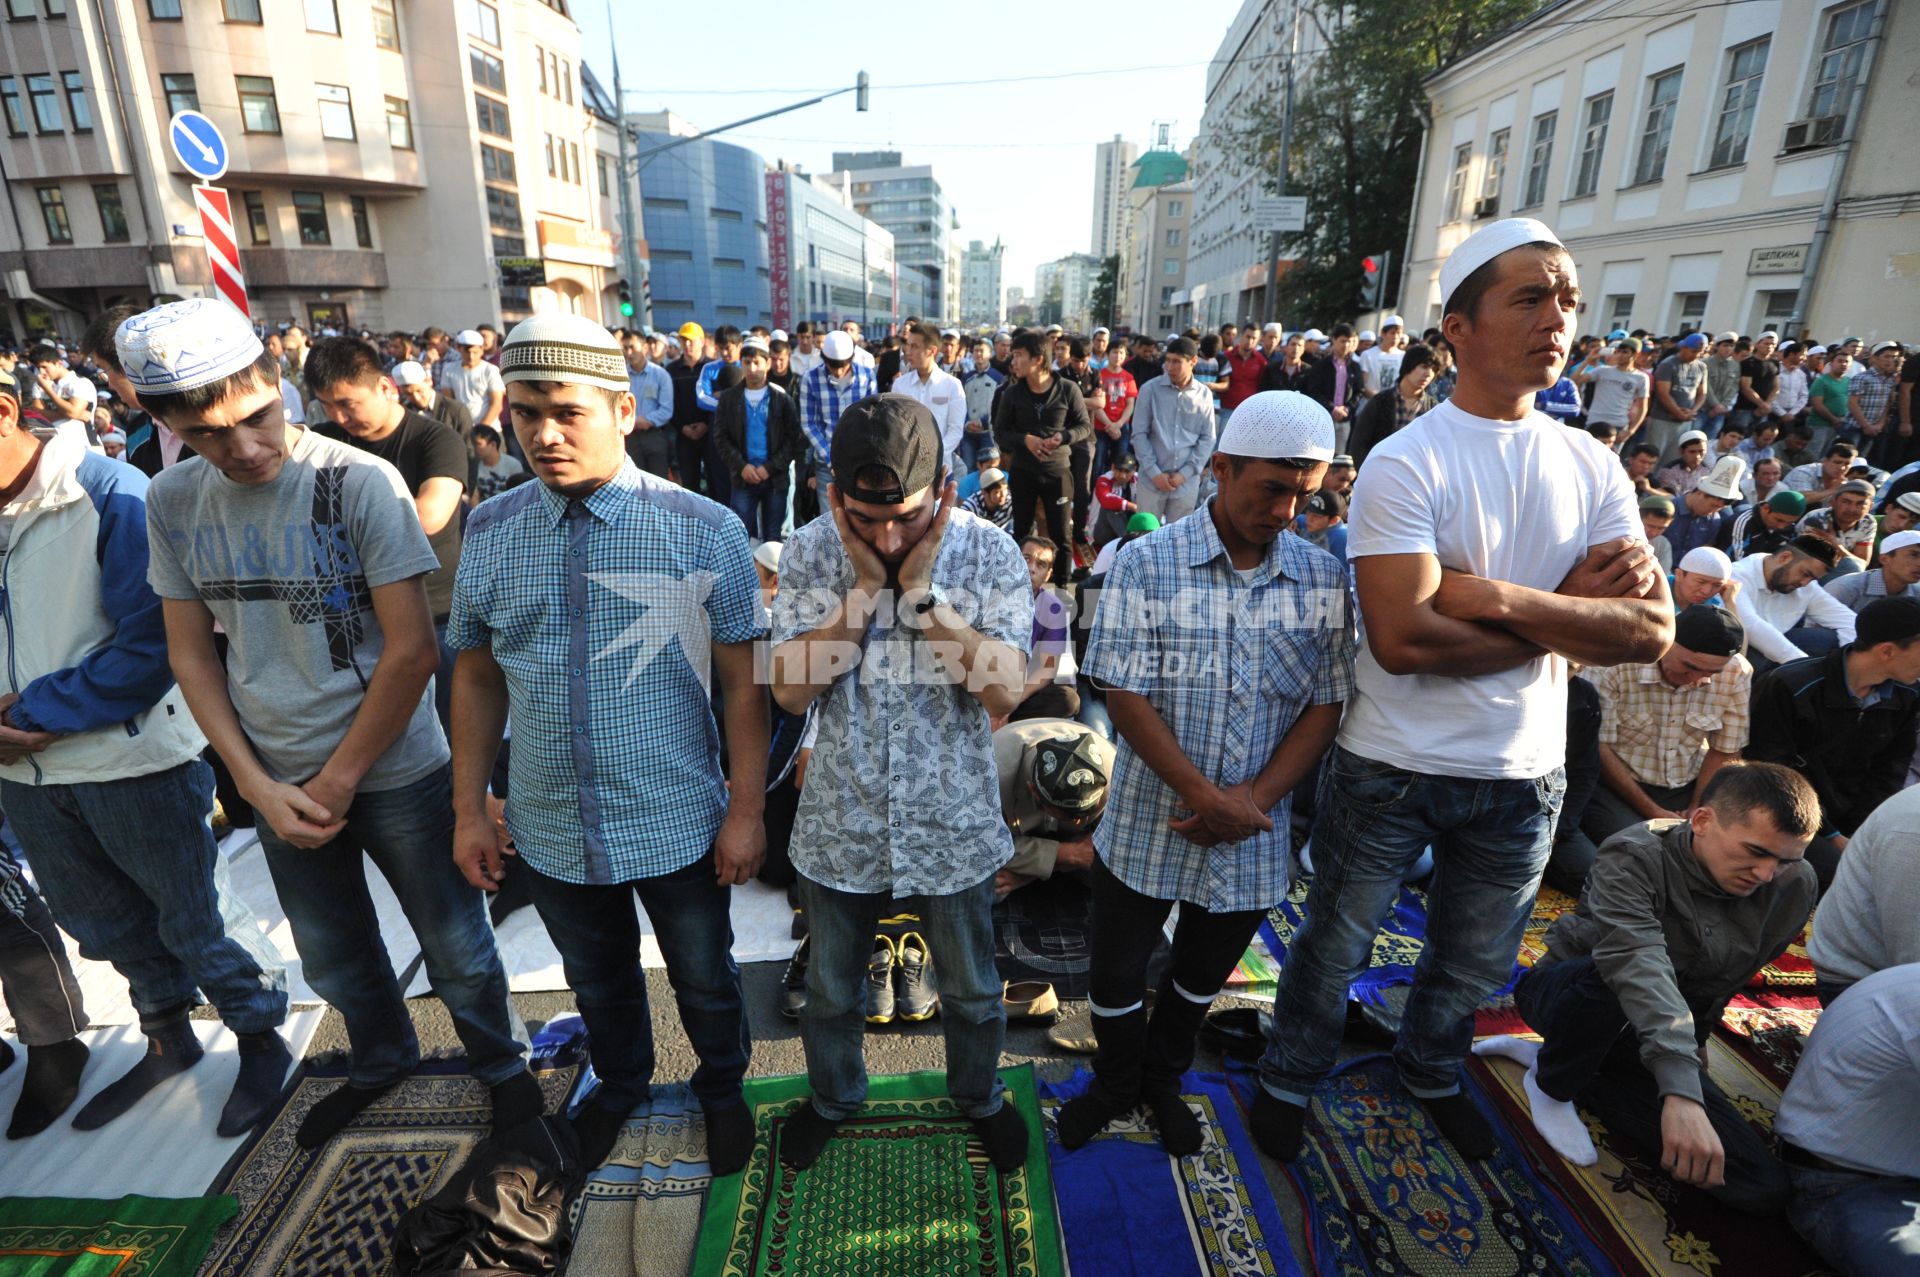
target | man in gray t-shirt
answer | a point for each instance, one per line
(309, 555)
(1679, 391)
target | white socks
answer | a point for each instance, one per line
(1558, 1121)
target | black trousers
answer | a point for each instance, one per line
(1053, 491)
(698, 460)
(1126, 931)
(1082, 462)
(1593, 1055)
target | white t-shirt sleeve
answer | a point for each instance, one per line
(1615, 512)
(1393, 510)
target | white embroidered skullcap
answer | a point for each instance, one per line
(184, 345)
(566, 348)
(1707, 561)
(409, 372)
(1278, 425)
(1487, 243)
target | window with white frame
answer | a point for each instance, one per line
(1842, 53)
(1597, 115)
(1746, 67)
(1495, 174)
(1656, 135)
(336, 111)
(1457, 183)
(1539, 159)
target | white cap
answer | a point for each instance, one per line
(570, 349)
(1366, 334)
(1276, 425)
(1859, 463)
(754, 342)
(949, 332)
(779, 334)
(1392, 321)
(1726, 336)
(1487, 243)
(1270, 328)
(1769, 335)
(1692, 436)
(767, 555)
(1899, 541)
(1724, 481)
(409, 372)
(1708, 561)
(1313, 334)
(1818, 350)
(990, 476)
(186, 345)
(1098, 331)
(837, 348)
(469, 337)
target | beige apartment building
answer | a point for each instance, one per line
(1160, 217)
(386, 157)
(1743, 166)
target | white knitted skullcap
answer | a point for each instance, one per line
(1707, 561)
(1487, 243)
(185, 345)
(566, 348)
(1277, 425)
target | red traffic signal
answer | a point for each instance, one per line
(1368, 265)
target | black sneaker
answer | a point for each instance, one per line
(913, 989)
(880, 982)
(793, 988)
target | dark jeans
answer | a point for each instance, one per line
(972, 444)
(697, 459)
(443, 678)
(1592, 1055)
(598, 936)
(1573, 851)
(1107, 449)
(1860, 1223)
(35, 977)
(652, 448)
(130, 868)
(408, 834)
(1082, 461)
(1372, 821)
(783, 804)
(1810, 639)
(959, 934)
(761, 506)
(1126, 928)
(1055, 491)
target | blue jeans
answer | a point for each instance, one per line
(131, 869)
(761, 506)
(1107, 449)
(598, 936)
(443, 680)
(1859, 1223)
(1814, 640)
(959, 932)
(972, 444)
(408, 834)
(1372, 821)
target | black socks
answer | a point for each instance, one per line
(171, 1050)
(1277, 1125)
(327, 1118)
(729, 1138)
(598, 1130)
(804, 1136)
(1004, 1135)
(1086, 1115)
(264, 1061)
(53, 1079)
(1180, 1132)
(1462, 1125)
(517, 1100)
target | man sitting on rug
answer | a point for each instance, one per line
(1667, 726)
(1846, 722)
(1208, 759)
(1677, 916)
(616, 789)
(309, 554)
(1849, 1128)
(1490, 546)
(1053, 788)
(908, 620)
(1869, 919)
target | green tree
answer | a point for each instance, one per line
(1105, 290)
(1357, 123)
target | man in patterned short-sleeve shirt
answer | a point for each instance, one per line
(1224, 644)
(590, 604)
(908, 620)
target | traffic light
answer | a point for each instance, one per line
(1370, 274)
(860, 92)
(626, 300)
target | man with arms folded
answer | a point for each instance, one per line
(1490, 547)
(310, 555)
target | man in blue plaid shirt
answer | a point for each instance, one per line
(829, 390)
(590, 604)
(1222, 707)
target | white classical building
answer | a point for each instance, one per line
(1742, 166)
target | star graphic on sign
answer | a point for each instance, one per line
(675, 609)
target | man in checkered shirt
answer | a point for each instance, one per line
(1208, 756)
(591, 604)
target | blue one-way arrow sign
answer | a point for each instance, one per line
(197, 141)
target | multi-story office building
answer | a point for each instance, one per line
(383, 156)
(706, 217)
(1111, 161)
(908, 201)
(1227, 258)
(1063, 290)
(980, 289)
(1740, 167)
(829, 264)
(1154, 277)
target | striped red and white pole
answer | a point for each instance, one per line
(223, 249)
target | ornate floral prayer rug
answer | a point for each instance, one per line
(1129, 1210)
(902, 1190)
(131, 1237)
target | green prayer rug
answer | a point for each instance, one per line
(131, 1237)
(903, 1188)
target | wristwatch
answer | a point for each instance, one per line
(930, 600)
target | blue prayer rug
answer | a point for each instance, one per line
(1396, 946)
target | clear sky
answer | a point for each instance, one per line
(1014, 156)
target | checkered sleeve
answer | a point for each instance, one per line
(733, 606)
(1333, 674)
(1736, 723)
(467, 627)
(1122, 651)
(1606, 681)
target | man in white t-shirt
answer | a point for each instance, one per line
(1490, 546)
(1380, 365)
(64, 393)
